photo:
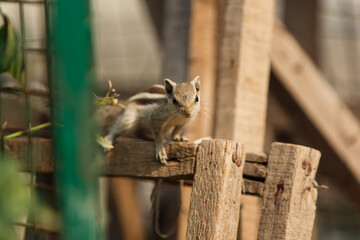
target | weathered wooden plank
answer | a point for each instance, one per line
(130, 157)
(243, 71)
(256, 157)
(255, 170)
(307, 95)
(137, 158)
(17, 149)
(253, 187)
(289, 198)
(215, 198)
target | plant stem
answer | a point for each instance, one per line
(33, 129)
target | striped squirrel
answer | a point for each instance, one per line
(156, 111)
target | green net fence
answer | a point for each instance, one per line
(46, 66)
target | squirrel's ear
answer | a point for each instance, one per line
(169, 85)
(196, 83)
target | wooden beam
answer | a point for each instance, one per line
(289, 200)
(136, 158)
(244, 68)
(302, 88)
(202, 61)
(125, 195)
(131, 158)
(215, 198)
(243, 73)
(253, 187)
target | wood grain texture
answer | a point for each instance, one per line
(131, 157)
(255, 170)
(215, 199)
(256, 157)
(243, 70)
(253, 187)
(137, 158)
(17, 150)
(289, 199)
(336, 128)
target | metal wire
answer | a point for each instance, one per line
(24, 1)
(29, 155)
(26, 92)
(36, 227)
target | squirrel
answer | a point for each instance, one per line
(156, 111)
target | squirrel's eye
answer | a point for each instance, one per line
(174, 101)
(196, 98)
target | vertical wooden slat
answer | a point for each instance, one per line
(289, 199)
(184, 212)
(123, 191)
(203, 45)
(215, 199)
(243, 74)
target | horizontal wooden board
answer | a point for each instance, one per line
(130, 157)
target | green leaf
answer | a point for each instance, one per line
(11, 57)
(103, 142)
(17, 200)
(14, 199)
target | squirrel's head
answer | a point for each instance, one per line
(185, 97)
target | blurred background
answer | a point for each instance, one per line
(131, 42)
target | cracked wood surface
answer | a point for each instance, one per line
(130, 157)
(215, 198)
(289, 199)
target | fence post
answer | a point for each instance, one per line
(289, 199)
(74, 135)
(215, 198)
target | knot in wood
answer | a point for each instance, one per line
(307, 167)
(236, 159)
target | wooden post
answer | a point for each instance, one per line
(243, 71)
(289, 199)
(127, 208)
(203, 46)
(315, 106)
(215, 199)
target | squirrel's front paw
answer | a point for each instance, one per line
(180, 139)
(161, 154)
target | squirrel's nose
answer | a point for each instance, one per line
(186, 112)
